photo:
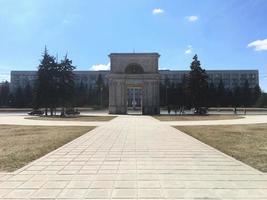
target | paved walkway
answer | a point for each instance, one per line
(135, 157)
(247, 119)
(22, 120)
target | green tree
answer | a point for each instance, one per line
(65, 84)
(237, 99)
(162, 94)
(46, 94)
(28, 94)
(90, 95)
(221, 94)
(184, 97)
(167, 84)
(246, 94)
(100, 89)
(81, 95)
(256, 94)
(212, 97)
(197, 85)
(4, 94)
(19, 98)
(229, 97)
(262, 101)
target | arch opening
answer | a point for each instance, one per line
(134, 68)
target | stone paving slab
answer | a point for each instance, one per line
(134, 157)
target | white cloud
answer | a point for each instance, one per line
(97, 67)
(157, 11)
(189, 49)
(258, 45)
(162, 68)
(192, 18)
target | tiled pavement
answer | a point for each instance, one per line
(135, 157)
(247, 119)
(22, 120)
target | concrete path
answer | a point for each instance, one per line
(22, 120)
(247, 119)
(135, 157)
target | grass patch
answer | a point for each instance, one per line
(195, 117)
(20, 145)
(247, 143)
(76, 118)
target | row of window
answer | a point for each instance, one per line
(212, 76)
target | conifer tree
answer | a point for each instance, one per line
(100, 87)
(221, 94)
(66, 85)
(197, 85)
(46, 82)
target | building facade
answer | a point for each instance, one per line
(230, 78)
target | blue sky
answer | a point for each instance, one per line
(226, 34)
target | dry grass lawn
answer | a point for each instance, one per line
(78, 118)
(20, 145)
(247, 143)
(195, 117)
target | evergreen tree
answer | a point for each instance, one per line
(47, 83)
(246, 94)
(197, 84)
(237, 100)
(262, 101)
(162, 94)
(256, 94)
(11, 100)
(100, 87)
(229, 99)
(19, 98)
(172, 100)
(65, 89)
(4, 94)
(28, 94)
(178, 101)
(184, 98)
(221, 93)
(90, 96)
(81, 95)
(212, 97)
(167, 84)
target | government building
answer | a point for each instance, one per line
(230, 78)
(134, 80)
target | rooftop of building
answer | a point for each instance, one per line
(135, 54)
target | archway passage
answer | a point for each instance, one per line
(134, 100)
(134, 83)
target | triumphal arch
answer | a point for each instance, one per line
(134, 83)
